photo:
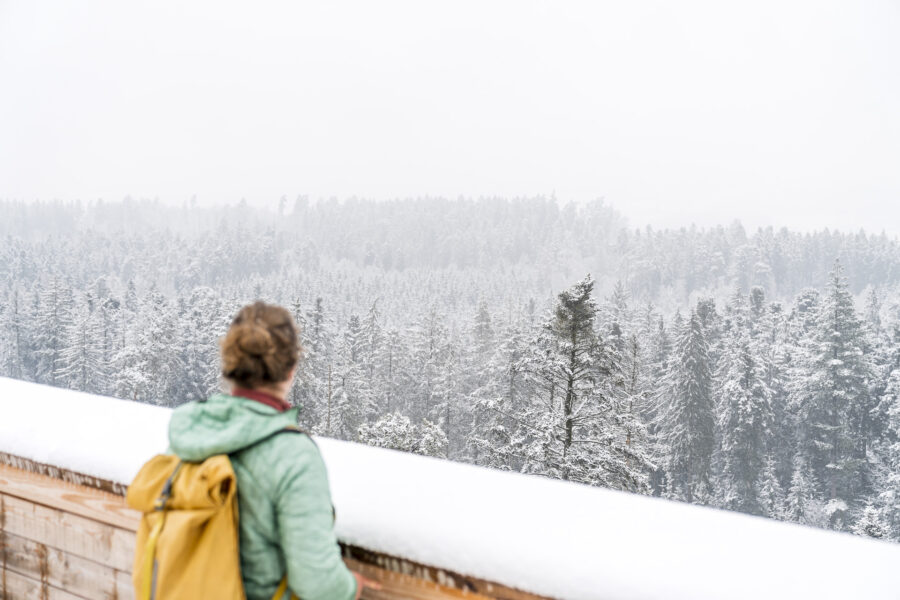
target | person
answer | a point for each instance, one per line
(285, 515)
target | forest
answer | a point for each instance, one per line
(757, 372)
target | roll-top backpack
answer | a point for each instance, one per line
(187, 541)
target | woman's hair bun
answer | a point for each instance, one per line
(261, 346)
(254, 339)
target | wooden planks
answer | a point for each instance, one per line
(425, 574)
(399, 585)
(59, 474)
(56, 568)
(98, 505)
(20, 587)
(76, 535)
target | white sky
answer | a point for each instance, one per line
(776, 112)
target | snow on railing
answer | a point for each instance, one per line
(549, 537)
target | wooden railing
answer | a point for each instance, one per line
(65, 532)
(69, 536)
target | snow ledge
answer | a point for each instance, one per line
(548, 537)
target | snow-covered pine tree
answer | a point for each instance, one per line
(870, 524)
(774, 355)
(498, 402)
(393, 431)
(354, 402)
(745, 425)
(396, 431)
(450, 410)
(577, 424)
(831, 394)
(304, 376)
(803, 505)
(713, 332)
(150, 367)
(873, 312)
(428, 343)
(480, 378)
(757, 306)
(687, 417)
(395, 375)
(657, 395)
(52, 315)
(110, 342)
(770, 494)
(81, 366)
(13, 326)
(888, 453)
(371, 353)
(203, 323)
(432, 440)
(736, 317)
(482, 333)
(315, 388)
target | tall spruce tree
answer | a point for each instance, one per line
(831, 395)
(770, 495)
(52, 315)
(13, 328)
(81, 366)
(687, 419)
(578, 424)
(803, 505)
(745, 426)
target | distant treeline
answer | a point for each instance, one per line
(534, 245)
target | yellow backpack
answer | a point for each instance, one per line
(187, 541)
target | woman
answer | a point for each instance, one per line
(284, 505)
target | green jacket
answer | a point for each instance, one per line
(285, 513)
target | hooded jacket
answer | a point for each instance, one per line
(284, 504)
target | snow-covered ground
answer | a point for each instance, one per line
(550, 537)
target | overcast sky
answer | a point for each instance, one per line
(771, 111)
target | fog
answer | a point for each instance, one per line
(781, 113)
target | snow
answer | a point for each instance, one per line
(94, 435)
(554, 538)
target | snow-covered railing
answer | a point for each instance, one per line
(547, 537)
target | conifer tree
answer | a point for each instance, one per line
(81, 366)
(888, 476)
(353, 403)
(831, 394)
(432, 440)
(150, 366)
(428, 343)
(870, 524)
(687, 419)
(498, 402)
(393, 431)
(13, 328)
(53, 314)
(314, 390)
(802, 505)
(770, 497)
(745, 424)
(873, 312)
(202, 324)
(450, 410)
(577, 423)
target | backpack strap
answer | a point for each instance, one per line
(282, 588)
(148, 565)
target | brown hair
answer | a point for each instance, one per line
(261, 346)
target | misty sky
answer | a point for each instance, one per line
(774, 112)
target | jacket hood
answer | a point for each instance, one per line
(222, 425)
